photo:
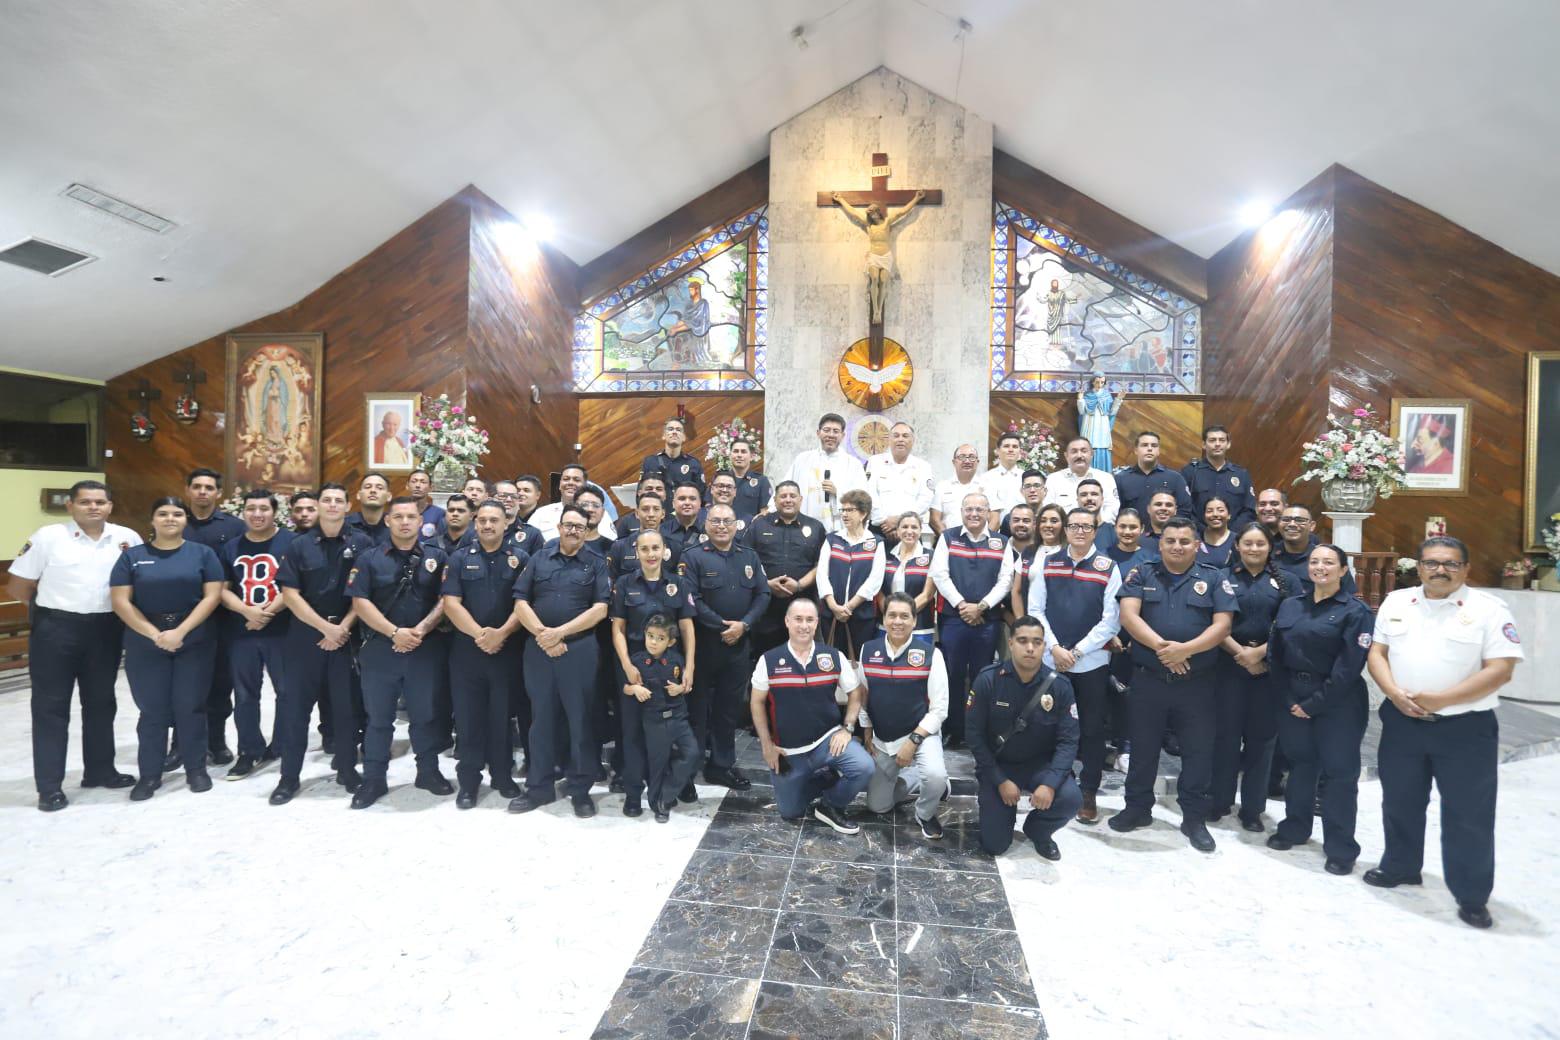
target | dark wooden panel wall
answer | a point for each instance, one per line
(1425, 308)
(1177, 420)
(1267, 334)
(619, 430)
(402, 318)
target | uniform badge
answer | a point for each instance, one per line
(430, 565)
(1072, 709)
(916, 658)
(747, 571)
(671, 588)
(1274, 582)
(428, 530)
(1047, 702)
(825, 662)
(352, 576)
(1364, 640)
(1235, 482)
(752, 482)
(923, 561)
(1199, 587)
(514, 561)
(869, 545)
(1101, 563)
(1510, 632)
(741, 525)
(994, 543)
(347, 553)
(683, 469)
(1229, 590)
(806, 531)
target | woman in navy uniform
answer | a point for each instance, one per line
(479, 600)
(649, 590)
(850, 573)
(1246, 702)
(1217, 545)
(165, 592)
(1023, 731)
(660, 696)
(1126, 547)
(907, 569)
(1317, 651)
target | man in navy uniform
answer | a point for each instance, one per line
(788, 544)
(650, 484)
(685, 527)
(304, 509)
(723, 491)
(373, 496)
(973, 572)
(731, 593)
(396, 587)
(561, 596)
(418, 485)
(753, 490)
(1441, 653)
(209, 525)
(313, 579)
(1215, 476)
(479, 599)
(673, 464)
(75, 640)
(1177, 612)
(1137, 483)
(456, 530)
(1023, 732)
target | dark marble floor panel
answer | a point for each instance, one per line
(874, 843)
(921, 1019)
(958, 849)
(840, 952)
(719, 940)
(767, 835)
(733, 879)
(945, 897)
(844, 889)
(789, 1012)
(760, 799)
(674, 1005)
(974, 964)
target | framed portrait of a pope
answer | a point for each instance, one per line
(391, 419)
(273, 410)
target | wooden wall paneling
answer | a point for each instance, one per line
(521, 314)
(1177, 420)
(619, 430)
(1015, 181)
(1267, 332)
(1425, 308)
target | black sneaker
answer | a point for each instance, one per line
(931, 829)
(220, 755)
(369, 792)
(241, 768)
(829, 816)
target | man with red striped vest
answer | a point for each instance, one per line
(973, 572)
(907, 700)
(1075, 599)
(814, 764)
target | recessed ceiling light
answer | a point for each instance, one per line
(119, 208)
(539, 226)
(1254, 212)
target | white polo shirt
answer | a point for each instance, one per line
(900, 487)
(1061, 487)
(71, 569)
(949, 500)
(1005, 487)
(1437, 643)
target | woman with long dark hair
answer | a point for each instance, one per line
(905, 569)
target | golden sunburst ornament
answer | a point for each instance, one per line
(875, 387)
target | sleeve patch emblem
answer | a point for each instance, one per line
(1510, 632)
(1364, 640)
(1101, 563)
(748, 571)
(514, 561)
(1229, 590)
(1072, 709)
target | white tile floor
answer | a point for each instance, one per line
(218, 915)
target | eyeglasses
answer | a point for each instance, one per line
(1292, 521)
(716, 521)
(1441, 565)
(966, 458)
(1080, 528)
(571, 527)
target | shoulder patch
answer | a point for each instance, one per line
(1072, 709)
(514, 561)
(28, 545)
(1229, 590)
(747, 571)
(1364, 640)
(1510, 632)
(1101, 563)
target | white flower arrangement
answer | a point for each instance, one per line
(1356, 449)
(234, 504)
(719, 447)
(1038, 449)
(446, 433)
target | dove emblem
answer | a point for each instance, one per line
(877, 379)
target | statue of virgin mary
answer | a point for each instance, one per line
(1097, 408)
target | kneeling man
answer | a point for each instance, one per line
(906, 702)
(1022, 728)
(815, 765)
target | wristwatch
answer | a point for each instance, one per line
(850, 727)
(916, 738)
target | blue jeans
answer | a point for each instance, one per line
(802, 785)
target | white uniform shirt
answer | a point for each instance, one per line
(545, 520)
(847, 683)
(71, 569)
(944, 580)
(936, 698)
(898, 488)
(1061, 487)
(950, 499)
(1434, 644)
(1004, 487)
(808, 468)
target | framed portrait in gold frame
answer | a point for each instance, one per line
(1541, 489)
(1437, 440)
(273, 410)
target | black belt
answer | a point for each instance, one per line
(55, 612)
(167, 622)
(1307, 678)
(1167, 676)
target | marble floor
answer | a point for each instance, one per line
(218, 915)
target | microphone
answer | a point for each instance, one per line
(827, 497)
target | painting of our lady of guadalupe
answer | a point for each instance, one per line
(273, 407)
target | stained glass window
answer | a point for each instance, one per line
(697, 320)
(1061, 310)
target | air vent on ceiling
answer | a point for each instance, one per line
(119, 208)
(44, 257)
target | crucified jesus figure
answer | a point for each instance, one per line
(876, 221)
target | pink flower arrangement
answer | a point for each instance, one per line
(445, 433)
(1358, 449)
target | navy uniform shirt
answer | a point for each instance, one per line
(1136, 488)
(680, 537)
(1179, 607)
(636, 600)
(1298, 567)
(1259, 597)
(484, 581)
(684, 469)
(378, 533)
(318, 566)
(216, 529)
(1218, 556)
(521, 535)
(656, 673)
(1317, 651)
(627, 525)
(252, 569)
(787, 549)
(166, 584)
(433, 515)
(727, 586)
(753, 494)
(560, 588)
(623, 557)
(1231, 483)
(445, 543)
(403, 583)
(1049, 733)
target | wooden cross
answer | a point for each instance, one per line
(885, 196)
(190, 376)
(144, 392)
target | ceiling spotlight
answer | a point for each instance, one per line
(539, 227)
(1254, 212)
(799, 37)
(965, 28)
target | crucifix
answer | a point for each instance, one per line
(185, 408)
(869, 210)
(141, 425)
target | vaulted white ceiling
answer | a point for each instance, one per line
(287, 138)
